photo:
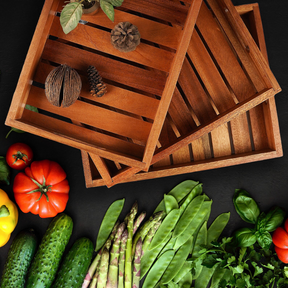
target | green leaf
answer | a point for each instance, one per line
(4, 171)
(264, 239)
(108, 9)
(70, 16)
(274, 219)
(245, 237)
(258, 270)
(116, 3)
(29, 107)
(245, 206)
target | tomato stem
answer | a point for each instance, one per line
(43, 189)
(20, 156)
(4, 211)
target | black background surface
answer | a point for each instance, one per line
(266, 181)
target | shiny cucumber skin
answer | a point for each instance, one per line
(75, 265)
(19, 258)
(48, 256)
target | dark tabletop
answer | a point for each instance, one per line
(266, 181)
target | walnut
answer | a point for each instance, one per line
(63, 86)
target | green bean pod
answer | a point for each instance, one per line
(186, 281)
(200, 241)
(217, 277)
(196, 191)
(187, 267)
(150, 256)
(165, 228)
(179, 192)
(177, 261)
(109, 220)
(188, 215)
(205, 276)
(170, 203)
(216, 228)
(157, 270)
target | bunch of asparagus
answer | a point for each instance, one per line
(117, 263)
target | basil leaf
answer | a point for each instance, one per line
(245, 237)
(29, 107)
(70, 16)
(264, 239)
(245, 206)
(4, 171)
(116, 3)
(274, 219)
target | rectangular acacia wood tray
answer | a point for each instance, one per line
(249, 137)
(124, 125)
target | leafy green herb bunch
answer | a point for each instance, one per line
(72, 12)
(264, 223)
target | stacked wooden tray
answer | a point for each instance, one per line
(169, 102)
(249, 137)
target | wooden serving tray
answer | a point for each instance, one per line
(249, 137)
(124, 125)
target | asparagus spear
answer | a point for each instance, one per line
(103, 269)
(149, 236)
(114, 258)
(128, 254)
(122, 259)
(138, 221)
(95, 263)
(137, 262)
(142, 232)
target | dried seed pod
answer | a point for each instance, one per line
(62, 86)
(97, 87)
(125, 37)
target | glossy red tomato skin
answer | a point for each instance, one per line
(286, 225)
(282, 254)
(280, 238)
(19, 156)
(48, 174)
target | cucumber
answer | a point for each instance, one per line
(20, 255)
(75, 265)
(44, 266)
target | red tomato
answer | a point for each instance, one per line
(19, 156)
(282, 254)
(43, 189)
(280, 238)
(286, 225)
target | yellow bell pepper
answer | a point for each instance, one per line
(8, 217)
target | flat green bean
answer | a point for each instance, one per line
(186, 281)
(205, 276)
(157, 270)
(196, 191)
(201, 240)
(187, 267)
(177, 262)
(110, 218)
(179, 192)
(170, 245)
(196, 223)
(217, 276)
(216, 228)
(150, 256)
(170, 203)
(165, 228)
(188, 215)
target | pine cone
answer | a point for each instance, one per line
(125, 37)
(97, 87)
